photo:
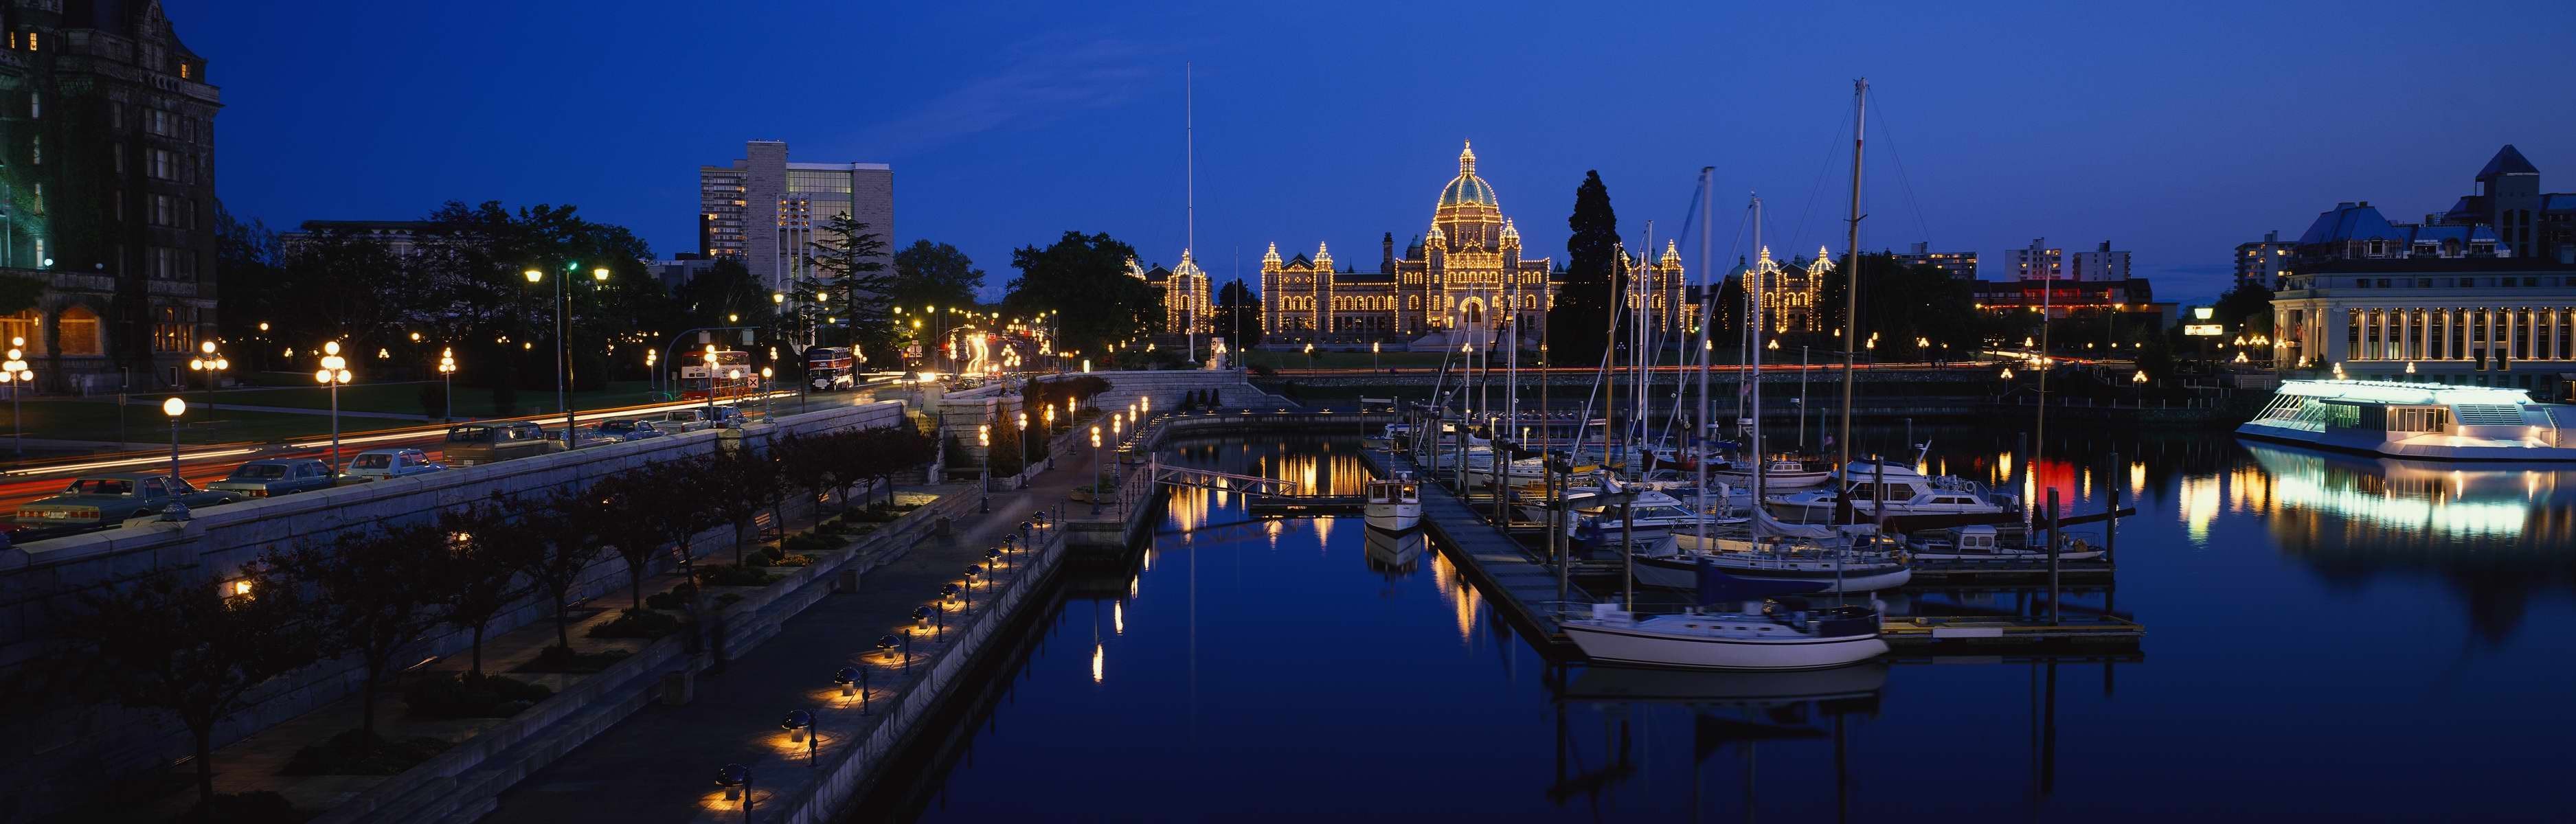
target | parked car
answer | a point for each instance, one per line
(630, 430)
(476, 444)
(587, 436)
(92, 500)
(271, 477)
(695, 418)
(379, 464)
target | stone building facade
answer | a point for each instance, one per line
(107, 192)
(1466, 275)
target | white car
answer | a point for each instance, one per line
(379, 464)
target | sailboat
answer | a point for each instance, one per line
(1783, 633)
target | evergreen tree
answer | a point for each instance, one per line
(934, 274)
(2246, 308)
(1238, 316)
(1578, 326)
(846, 290)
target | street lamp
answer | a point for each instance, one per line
(562, 396)
(174, 408)
(209, 363)
(334, 373)
(1024, 449)
(447, 374)
(984, 439)
(1095, 469)
(15, 373)
(767, 404)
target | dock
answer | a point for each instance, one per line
(1305, 504)
(1523, 588)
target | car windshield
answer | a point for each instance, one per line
(101, 486)
(372, 462)
(469, 434)
(259, 472)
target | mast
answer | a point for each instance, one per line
(1851, 279)
(1190, 195)
(1753, 411)
(1639, 357)
(1698, 439)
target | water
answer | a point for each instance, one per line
(2329, 637)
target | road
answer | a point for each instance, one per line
(201, 465)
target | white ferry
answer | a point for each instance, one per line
(2428, 421)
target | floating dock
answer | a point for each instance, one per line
(1523, 588)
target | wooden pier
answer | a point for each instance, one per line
(1305, 504)
(1520, 587)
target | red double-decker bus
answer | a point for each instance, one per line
(731, 378)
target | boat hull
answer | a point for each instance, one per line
(1393, 516)
(1623, 642)
(1819, 513)
(1682, 572)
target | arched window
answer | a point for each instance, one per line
(28, 325)
(77, 328)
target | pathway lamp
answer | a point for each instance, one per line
(210, 363)
(854, 680)
(1024, 449)
(886, 645)
(736, 781)
(799, 725)
(334, 373)
(174, 408)
(1095, 470)
(931, 618)
(984, 440)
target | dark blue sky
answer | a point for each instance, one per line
(2172, 130)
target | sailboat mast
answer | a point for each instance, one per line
(1851, 272)
(1753, 362)
(1644, 360)
(1698, 440)
(1190, 194)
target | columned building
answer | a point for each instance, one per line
(1465, 276)
(2493, 321)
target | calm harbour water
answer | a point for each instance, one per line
(2328, 636)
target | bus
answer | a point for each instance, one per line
(829, 368)
(732, 378)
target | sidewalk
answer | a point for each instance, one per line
(655, 766)
(253, 763)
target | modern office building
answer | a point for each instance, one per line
(2101, 264)
(2264, 261)
(107, 192)
(2038, 261)
(1960, 265)
(1465, 275)
(766, 210)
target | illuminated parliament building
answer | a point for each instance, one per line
(1465, 276)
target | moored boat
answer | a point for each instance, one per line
(1394, 504)
(2428, 421)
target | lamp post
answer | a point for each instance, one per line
(1024, 449)
(334, 372)
(710, 359)
(984, 439)
(767, 404)
(562, 396)
(1095, 470)
(174, 408)
(15, 373)
(210, 363)
(1372, 356)
(447, 376)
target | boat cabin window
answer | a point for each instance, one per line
(2420, 419)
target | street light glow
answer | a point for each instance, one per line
(174, 407)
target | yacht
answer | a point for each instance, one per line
(1653, 517)
(1395, 504)
(1983, 542)
(1394, 436)
(1783, 635)
(1912, 500)
(2427, 421)
(1827, 568)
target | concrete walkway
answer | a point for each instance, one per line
(657, 764)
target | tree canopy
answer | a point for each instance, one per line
(1085, 278)
(934, 274)
(1238, 315)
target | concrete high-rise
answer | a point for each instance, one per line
(2036, 262)
(2103, 263)
(765, 210)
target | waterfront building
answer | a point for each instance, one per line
(2067, 298)
(2482, 321)
(1186, 307)
(2263, 261)
(2101, 264)
(765, 210)
(1960, 265)
(1790, 291)
(1466, 274)
(107, 192)
(2038, 261)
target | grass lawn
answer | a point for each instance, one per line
(96, 420)
(404, 398)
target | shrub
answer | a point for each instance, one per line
(344, 755)
(774, 552)
(564, 659)
(804, 542)
(637, 623)
(245, 808)
(677, 598)
(793, 561)
(734, 576)
(448, 695)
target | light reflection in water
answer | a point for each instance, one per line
(1462, 598)
(1099, 655)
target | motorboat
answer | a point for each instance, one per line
(1826, 568)
(2429, 421)
(1782, 473)
(1651, 517)
(1394, 436)
(1783, 633)
(1394, 504)
(1911, 500)
(1984, 542)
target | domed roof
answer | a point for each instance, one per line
(1467, 189)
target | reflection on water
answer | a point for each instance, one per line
(2353, 611)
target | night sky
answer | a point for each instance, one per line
(2172, 130)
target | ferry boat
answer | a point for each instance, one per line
(2427, 421)
(1394, 504)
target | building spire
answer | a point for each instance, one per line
(1467, 159)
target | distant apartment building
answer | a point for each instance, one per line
(2038, 261)
(1960, 265)
(765, 210)
(2263, 261)
(2101, 264)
